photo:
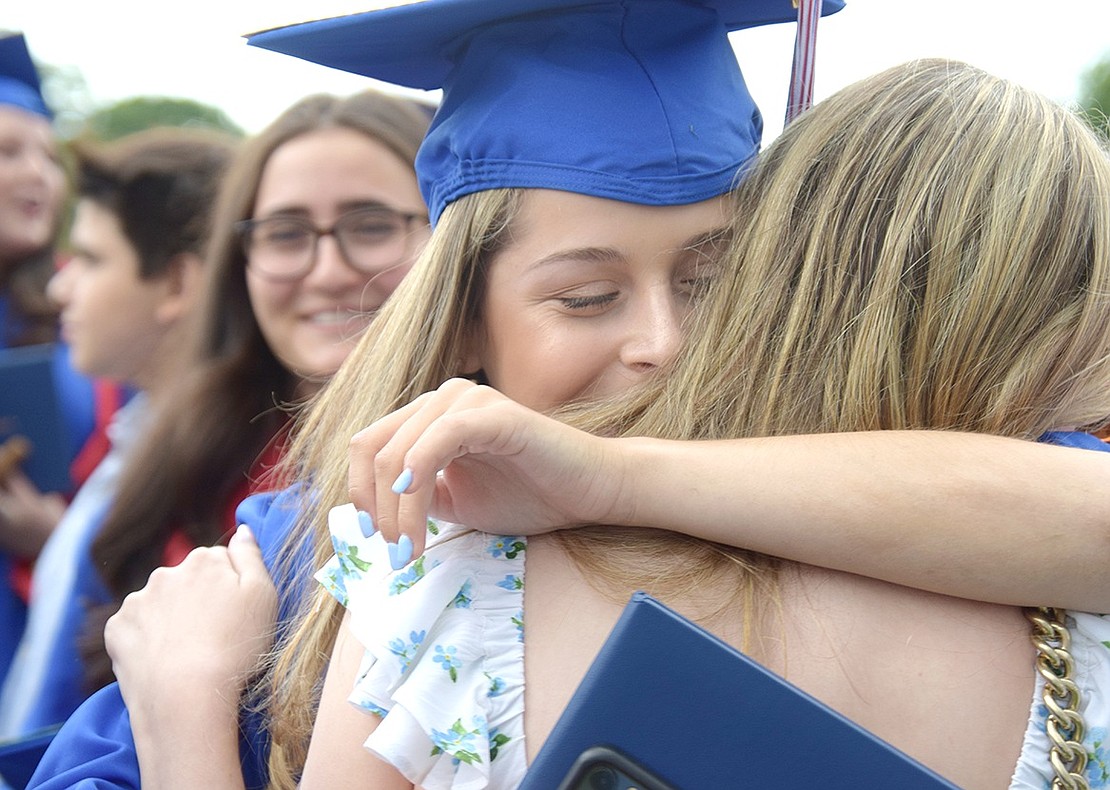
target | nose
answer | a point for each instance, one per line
(59, 287)
(38, 165)
(330, 272)
(657, 333)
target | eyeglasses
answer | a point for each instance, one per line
(370, 240)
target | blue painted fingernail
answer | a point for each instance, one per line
(400, 552)
(403, 481)
(366, 524)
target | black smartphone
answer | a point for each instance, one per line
(604, 768)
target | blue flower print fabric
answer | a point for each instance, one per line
(444, 660)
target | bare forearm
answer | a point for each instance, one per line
(968, 515)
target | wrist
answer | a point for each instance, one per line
(634, 469)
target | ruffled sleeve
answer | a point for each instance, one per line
(444, 662)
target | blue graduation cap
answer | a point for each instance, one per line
(19, 80)
(635, 100)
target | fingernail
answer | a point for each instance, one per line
(403, 481)
(400, 552)
(366, 524)
(243, 531)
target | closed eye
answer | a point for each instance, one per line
(698, 286)
(586, 302)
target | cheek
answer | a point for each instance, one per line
(272, 304)
(57, 191)
(386, 282)
(270, 301)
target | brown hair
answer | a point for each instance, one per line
(33, 317)
(159, 184)
(230, 403)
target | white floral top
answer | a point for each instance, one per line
(1090, 647)
(444, 661)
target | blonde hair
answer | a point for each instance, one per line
(930, 248)
(927, 249)
(417, 341)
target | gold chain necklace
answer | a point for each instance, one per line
(1064, 725)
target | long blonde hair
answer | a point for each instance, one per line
(927, 249)
(416, 342)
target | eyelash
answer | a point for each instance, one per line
(584, 302)
(699, 285)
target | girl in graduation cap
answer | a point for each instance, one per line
(32, 192)
(896, 310)
(544, 249)
(31, 196)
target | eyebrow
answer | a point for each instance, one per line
(611, 255)
(301, 211)
(580, 254)
(714, 236)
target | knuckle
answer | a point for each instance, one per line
(361, 443)
(386, 459)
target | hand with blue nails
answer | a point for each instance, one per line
(468, 454)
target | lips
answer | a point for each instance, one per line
(31, 209)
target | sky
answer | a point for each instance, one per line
(196, 49)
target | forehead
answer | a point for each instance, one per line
(550, 220)
(16, 122)
(331, 166)
(95, 225)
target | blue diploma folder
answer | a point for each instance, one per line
(30, 406)
(702, 716)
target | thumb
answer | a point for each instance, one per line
(245, 554)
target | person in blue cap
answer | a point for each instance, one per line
(476, 231)
(32, 192)
(639, 141)
(32, 186)
(892, 311)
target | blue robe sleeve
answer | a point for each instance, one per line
(1076, 439)
(95, 748)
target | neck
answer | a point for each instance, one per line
(164, 365)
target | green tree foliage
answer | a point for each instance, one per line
(1094, 95)
(143, 112)
(77, 115)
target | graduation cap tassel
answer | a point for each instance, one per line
(805, 50)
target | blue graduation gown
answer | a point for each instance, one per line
(96, 749)
(76, 393)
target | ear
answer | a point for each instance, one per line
(182, 283)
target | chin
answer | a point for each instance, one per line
(22, 247)
(319, 369)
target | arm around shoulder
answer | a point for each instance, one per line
(969, 515)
